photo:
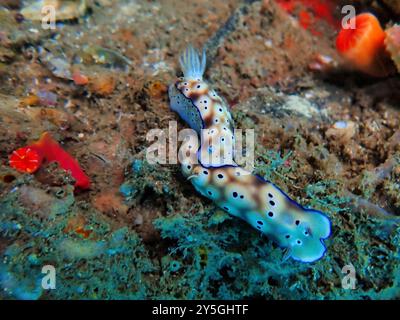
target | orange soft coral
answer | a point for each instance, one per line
(363, 47)
(29, 159)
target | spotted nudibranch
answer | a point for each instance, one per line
(242, 194)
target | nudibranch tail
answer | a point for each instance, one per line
(239, 192)
(191, 65)
(265, 207)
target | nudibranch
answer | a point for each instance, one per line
(29, 159)
(263, 205)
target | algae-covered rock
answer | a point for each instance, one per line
(393, 5)
(64, 9)
(392, 43)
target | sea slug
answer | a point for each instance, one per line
(242, 194)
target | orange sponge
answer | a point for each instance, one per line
(363, 47)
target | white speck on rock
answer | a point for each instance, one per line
(301, 105)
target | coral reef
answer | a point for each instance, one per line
(328, 138)
(76, 257)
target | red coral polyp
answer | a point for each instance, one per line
(26, 160)
(392, 43)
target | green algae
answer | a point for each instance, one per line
(209, 254)
(111, 267)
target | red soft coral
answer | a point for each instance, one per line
(28, 159)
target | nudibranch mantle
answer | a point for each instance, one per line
(242, 194)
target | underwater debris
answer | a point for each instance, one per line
(102, 85)
(41, 97)
(47, 98)
(81, 249)
(226, 29)
(371, 179)
(106, 57)
(59, 118)
(299, 105)
(65, 9)
(370, 208)
(99, 82)
(79, 78)
(156, 89)
(78, 225)
(28, 159)
(363, 47)
(16, 32)
(110, 202)
(322, 63)
(342, 131)
(154, 63)
(392, 43)
(57, 62)
(6, 55)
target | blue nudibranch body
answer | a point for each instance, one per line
(242, 194)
